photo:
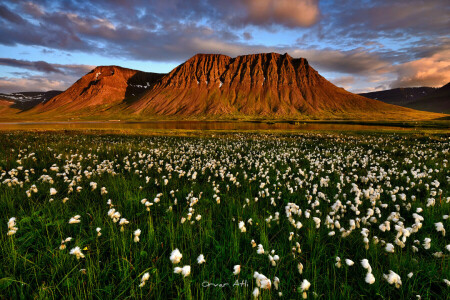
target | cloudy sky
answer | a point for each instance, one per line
(361, 45)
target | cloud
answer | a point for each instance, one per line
(32, 84)
(431, 71)
(344, 81)
(46, 67)
(288, 13)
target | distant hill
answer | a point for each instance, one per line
(421, 98)
(438, 101)
(27, 100)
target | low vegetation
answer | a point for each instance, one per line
(224, 215)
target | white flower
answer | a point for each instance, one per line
(53, 191)
(393, 278)
(12, 229)
(77, 252)
(175, 256)
(137, 233)
(440, 228)
(338, 262)
(93, 185)
(276, 281)
(262, 281)
(144, 278)
(349, 262)
(185, 271)
(103, 191)
(300, 268)
(242, 226)
(256, 292)
(448, 247)
(75, 219)
(410, 274)
(370, 279)
(201, 259)
(389, 248)
(305, 285)
(260, 249)
(427, 243)
(447, 282)
(198, 217)
(366, 265)
(237, 269)
(98, 229)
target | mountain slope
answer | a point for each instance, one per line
(438, 101)
(27, 100)
(267, 85)
(421, 98)
(400, 96)
(98, 90)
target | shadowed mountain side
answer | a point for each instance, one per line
(438, 101)
(400, 96)
(266, 85)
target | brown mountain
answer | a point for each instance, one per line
(266, 85)
(99, 90)
(214, 86)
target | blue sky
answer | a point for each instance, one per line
(359, 45)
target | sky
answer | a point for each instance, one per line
(360, 45)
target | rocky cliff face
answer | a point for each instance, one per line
(102, 87)
(259, 85)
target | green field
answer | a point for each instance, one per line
(273, 203)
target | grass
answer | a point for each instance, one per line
(232, 166)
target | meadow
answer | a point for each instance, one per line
(224, 216)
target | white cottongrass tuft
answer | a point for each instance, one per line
(393, 278)
(75, 219)
(256, 292)
(12, 229)
(349, 262)
(304, 287)
(201, 259)
(144, 279)
(136, 234)
(53, 191)
(370, 279)
(440, 228)
(237, 269)
(262, 281)
(175, 256)
(77, 252)
(242, 226)
(389, 248)
(185, 270)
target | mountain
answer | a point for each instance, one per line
(214, 86)
(99, 90)
(438, 101)
(27, 100)
(400, 96)
(267, 85)
(421, 98)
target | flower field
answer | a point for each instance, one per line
(224, 216)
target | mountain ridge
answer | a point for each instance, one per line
(216, 86)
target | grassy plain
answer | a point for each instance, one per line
(308, 198)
